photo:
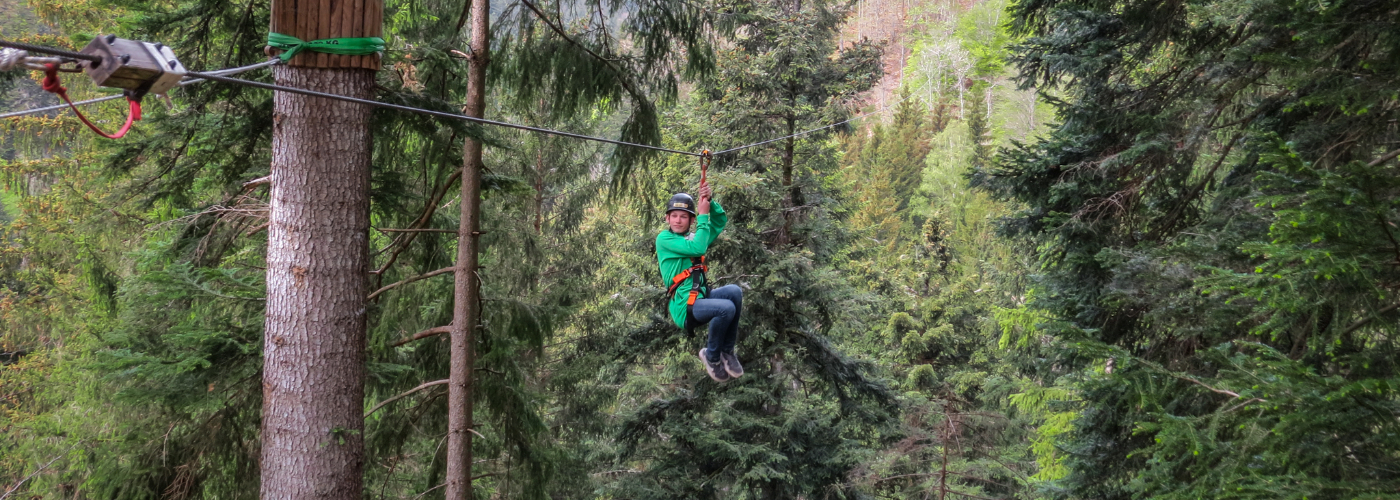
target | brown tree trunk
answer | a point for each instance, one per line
(317, 262)
(539, 190)
(789, 191)
(466, 307)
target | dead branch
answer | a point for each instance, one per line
(1384, 158)
(427, 215)
(437, 330)
(260, 181)
(422, 386)
(392, 230)
(409, 280)
(955, 492)
(21, 482)
(1362, 322)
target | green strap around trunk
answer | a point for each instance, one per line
(342, 46)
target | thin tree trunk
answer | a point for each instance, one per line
(789, 191)
(317, 264)
(539, 190)
(466, 307)
(943, 473)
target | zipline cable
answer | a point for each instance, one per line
(230, 71)
(217, 76)
(439, 114)
(50, 50)
(799, 134)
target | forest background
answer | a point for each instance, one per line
(1074, 249)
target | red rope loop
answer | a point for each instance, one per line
(52, 84)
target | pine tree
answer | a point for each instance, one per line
(1213, 215)
(798, 421)
(908, 146)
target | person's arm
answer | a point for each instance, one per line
(709, 205)
(705, 233)
(718, 219)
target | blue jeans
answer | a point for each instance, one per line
(721, 310)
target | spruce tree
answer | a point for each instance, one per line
(1213, 215)
(797, 422)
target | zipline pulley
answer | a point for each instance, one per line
(138, 67)
(705, 157)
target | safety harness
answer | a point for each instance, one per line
(697, 269)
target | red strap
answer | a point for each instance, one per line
(52, 84)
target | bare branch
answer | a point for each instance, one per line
(437, 330)
(1362, 322)
(422, 386)
(955, 492)
(427, 215)
(391, 230)
(429, 490)
(260, 181)
(409, 280)
(1384, 158)
(36, 471)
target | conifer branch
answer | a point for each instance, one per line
(409, 280)
(437, 330)
(621, 75)
(404, 394)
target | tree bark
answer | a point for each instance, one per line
(317, 263)
(466, 307)
(789, 191)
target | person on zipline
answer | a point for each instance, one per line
(680, 254)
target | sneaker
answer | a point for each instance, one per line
(731, 364)
(715, 368)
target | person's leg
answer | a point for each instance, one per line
(719, 314)
(735, 295)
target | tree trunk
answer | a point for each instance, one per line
(789, 191)
(539, 190)
(317, 262)
(466, 307)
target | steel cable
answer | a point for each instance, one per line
(219, 76)
(230, 71)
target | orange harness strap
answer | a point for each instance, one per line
(699, 267)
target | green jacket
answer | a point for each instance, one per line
(673, 253)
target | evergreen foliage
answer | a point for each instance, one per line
(1212, 215)
(1184, 287)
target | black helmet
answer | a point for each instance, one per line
(681, 201)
